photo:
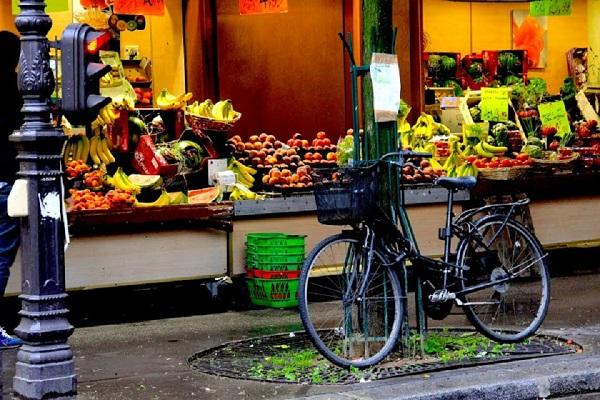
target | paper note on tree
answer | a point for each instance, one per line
(385, 76)
(494, 104)
(555, 114)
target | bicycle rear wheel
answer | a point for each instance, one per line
(511, 310)
(349, 329)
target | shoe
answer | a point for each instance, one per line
(7, 341)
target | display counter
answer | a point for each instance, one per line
(141, 246)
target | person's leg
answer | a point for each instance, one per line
(9, 244)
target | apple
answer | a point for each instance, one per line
(308, 156)
(317, 156)
(297, 136)
(331, 156)
(297, 143)
(321, 135)
(253, 138)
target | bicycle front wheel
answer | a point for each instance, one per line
(349, 326)
(510, 256)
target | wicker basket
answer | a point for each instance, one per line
(198, 123)
(556, 163)
(503, 174)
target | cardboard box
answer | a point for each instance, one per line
(451, 114)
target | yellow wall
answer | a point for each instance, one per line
(473, 27)
(161, 41)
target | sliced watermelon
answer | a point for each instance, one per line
(178, 198)
(146, 181)
(204, 196)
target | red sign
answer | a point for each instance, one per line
(139, 7)
(263, 6)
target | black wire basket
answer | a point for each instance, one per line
(348, 199)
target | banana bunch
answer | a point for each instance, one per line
(108, 115)
(167, 101)
(484, 149)
(454, 159)
(242, 173)
(440, 129)
(77, 148)
(423, 128)
(203, 109)
(107, 80)
(99, 151)
(163, 200)
(223, 111)
(466, 169)
(241, 192)
(122, 102)
(121, 181)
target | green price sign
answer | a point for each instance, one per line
(539, 8)
(494, 104)
(51, 6)
(555, 114)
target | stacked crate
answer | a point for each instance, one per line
(273, 262)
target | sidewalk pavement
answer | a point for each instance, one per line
(148, 360)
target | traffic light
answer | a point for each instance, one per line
(81, 73)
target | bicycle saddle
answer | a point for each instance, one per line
(462, 182)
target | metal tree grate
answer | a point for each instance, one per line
(256, 359)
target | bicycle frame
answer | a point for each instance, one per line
(460, 227)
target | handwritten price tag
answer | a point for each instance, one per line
(143, 7)
(540, 8)
(263, 6)
(51, 6)
(494, 104)
(555, 114)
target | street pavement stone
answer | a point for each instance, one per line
(148, 360)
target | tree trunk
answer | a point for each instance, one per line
(381, 139)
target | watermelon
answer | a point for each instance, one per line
(146, 181)
(204, 196)
(178, 198)
(191, 153)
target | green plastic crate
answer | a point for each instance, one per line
(253, 259)
(268, 250)
(274, 293)
(274, 239)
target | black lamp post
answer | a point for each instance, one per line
(45, 367)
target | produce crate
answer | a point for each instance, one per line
(275, 262)
(275, 293)
(261, 274)
(274, 239)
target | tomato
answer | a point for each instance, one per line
(528, 162)
(480, 163)
(471, 159)
(507, 162)
(522, 156)
(493, 164)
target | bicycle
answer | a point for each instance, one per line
(351, 301)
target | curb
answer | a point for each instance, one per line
(507, 383)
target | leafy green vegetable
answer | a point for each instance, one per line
(475, 69)
(533, 150)
(404, 109)
(508, 61)
(475, 112)
(512, 80)
(345, 150)
(434, 62)
(448, 63)
(453, 84)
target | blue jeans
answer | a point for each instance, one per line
(9, 238)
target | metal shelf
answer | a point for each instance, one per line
(302, 203)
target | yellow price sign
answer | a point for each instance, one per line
(51, 6)
(494, 104)
(555, 114)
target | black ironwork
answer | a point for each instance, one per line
(249, 359)
(44, 367)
